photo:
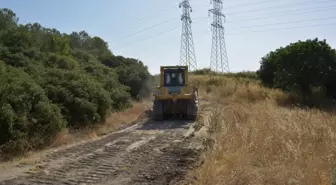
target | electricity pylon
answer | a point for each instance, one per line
(218, 60)
(187, 53)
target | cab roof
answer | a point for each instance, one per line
(174, 67)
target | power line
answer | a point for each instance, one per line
(147, 28)
(284, 28)
(277, 23)
(277, 29)
(257, 31)
(285, 13)
(204, 33)
(281, 6)
(233, 33)
(161, 33)
(153, 26)
(251, 3)
(201, 17)
(154, 14)
(146, 38)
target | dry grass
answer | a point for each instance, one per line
(259, 141)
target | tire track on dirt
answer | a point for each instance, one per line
(146, 153)
(163, 161)
(111, 157)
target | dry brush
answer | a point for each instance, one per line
(258, 140)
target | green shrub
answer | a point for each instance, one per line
(300, 66)
(135, 77)
(62, 62)
(109, 78)
(82, 99)
(26, 114)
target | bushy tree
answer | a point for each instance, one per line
(82, 99)
(18, 38)
(300, 66)
(61, 62)
(109, 79)
(8, 20)
(134, 76)
(27, 118)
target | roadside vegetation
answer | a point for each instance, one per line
(278, 129)
(50, 81)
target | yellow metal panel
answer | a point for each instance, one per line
(177, 66)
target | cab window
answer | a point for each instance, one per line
(174, 78)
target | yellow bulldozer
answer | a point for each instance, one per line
(175, 95)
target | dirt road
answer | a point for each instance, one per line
(146, 153)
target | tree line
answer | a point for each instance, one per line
(51, 80)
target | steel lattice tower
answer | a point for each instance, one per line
(218, 60)
(187, 53)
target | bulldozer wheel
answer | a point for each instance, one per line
(158, 110)
(192, 110)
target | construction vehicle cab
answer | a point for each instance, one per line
(175, 95)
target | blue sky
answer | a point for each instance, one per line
(246, 22)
